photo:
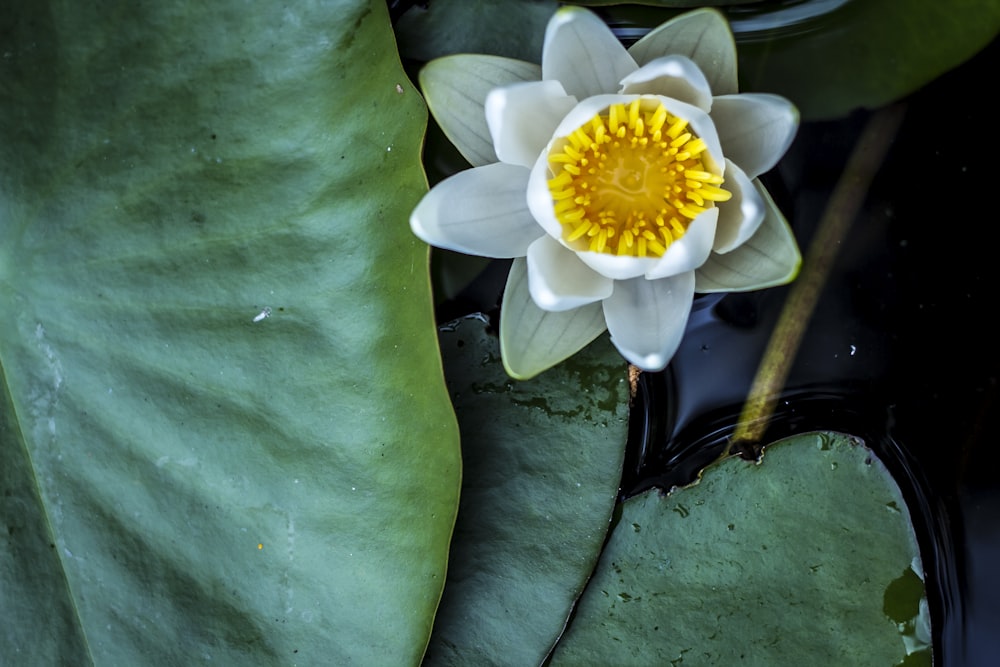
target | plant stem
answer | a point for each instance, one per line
(846, 200)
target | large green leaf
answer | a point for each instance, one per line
(542, 459)
(807, 558)
(225, 434)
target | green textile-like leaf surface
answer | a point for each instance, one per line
(224, 435)
(542, 464)
(808, 558)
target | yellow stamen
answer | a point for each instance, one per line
(676, 127)
(681, 140)
(630, 180)
(579, 231)
(690, 211)
(715, 194)
(615, 112)
(600, 242)
(565, 205)
(695, 147)
(561, 180)
(699, 175)
(658, 118)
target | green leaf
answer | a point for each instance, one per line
(225, 434)
(533, 340)
(704, 37)
(806, 556)
(456, 88)
(768, 258)
(42, 628)
(542, 463)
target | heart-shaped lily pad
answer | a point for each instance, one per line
(806, 558)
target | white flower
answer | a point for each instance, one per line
(622, 181)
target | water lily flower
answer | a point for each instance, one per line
(621, 181)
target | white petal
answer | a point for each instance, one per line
(455, 88)
(691, 250)
(582, 53)
(522, 118)
(703, 36)
(739, 217)
(646, 318)
(533, 340)
(755, 129)
(559, 281)
(671, 76)
(479, 211)
(770, 257)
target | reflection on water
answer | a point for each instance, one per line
(750, 21)
(771, 19)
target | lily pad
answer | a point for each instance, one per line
(224, 435)
(542, 463)
(806, 558)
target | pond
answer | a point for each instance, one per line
(239, 416)
(900, 349)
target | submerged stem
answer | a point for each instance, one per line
(846, 200)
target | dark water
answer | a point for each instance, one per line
(750, 20)
(902, 349)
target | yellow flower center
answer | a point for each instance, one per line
(631, 180)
